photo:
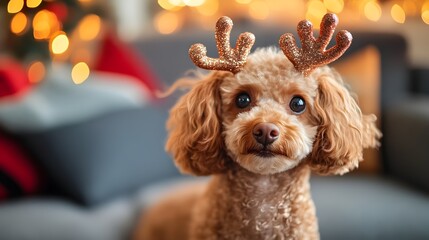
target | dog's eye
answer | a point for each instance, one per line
(297, 104)
(243, 100)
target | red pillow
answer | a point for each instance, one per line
(18, 176)
(13, 78)
(116, 56)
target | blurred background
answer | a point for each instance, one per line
(82, 130)
(71, 22)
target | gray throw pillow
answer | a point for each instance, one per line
(57, 101)
(106, 156)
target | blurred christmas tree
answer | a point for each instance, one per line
(38, 31)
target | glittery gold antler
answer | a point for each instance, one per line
(313, 53)
(229, 59)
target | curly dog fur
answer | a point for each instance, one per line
(258, 191)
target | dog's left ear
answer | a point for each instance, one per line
(343, 130)
(195, 129)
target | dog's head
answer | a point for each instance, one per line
(268, 117)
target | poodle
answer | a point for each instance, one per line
(259, 125)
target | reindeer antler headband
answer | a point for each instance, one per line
(313, 52)
(310, 56)
(229, 59)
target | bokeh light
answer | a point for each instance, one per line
(372, 11)
(280, 10)
(33, 3)
(36, 72)
(315, 12)
(167, 22)
(59, 44)
(80, 73)
(259, 10)
(243, 1)
(193, 3)
(178, 3)
(165, 4)
(397, 13)
(15, 6)
(18, 23)
(89, 27)
(209, 8)
(45, 23)
(335, 6)
(425, 16)
(425, 12)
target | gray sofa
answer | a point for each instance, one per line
(102, 204)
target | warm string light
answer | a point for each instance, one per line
(89, 27)
(259, 10)
(425, 17)
(315, 12)
(372, 10)
(167, 22)
(33, 3)
(178, 3)
(397, 13)
(18, 24)
(166, 5)
(59, 43)
(15, 6)
(335, 6)
(425, 12)
(193, 3)
(243, 1)
(80, 72)
(47, 27)
(36, 72)
(45, 24)
(209, 8)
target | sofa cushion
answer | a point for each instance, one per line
(57, 101)
(369, 207)
(103, 157)
(348, 207)
(53, 219)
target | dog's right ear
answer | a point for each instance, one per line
(195, 129)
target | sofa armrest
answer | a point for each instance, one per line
(420, 80)
(407, 141)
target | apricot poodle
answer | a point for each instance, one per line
(259, 125)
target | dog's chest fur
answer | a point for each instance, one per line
(260, 207)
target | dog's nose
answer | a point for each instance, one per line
(266, 133)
